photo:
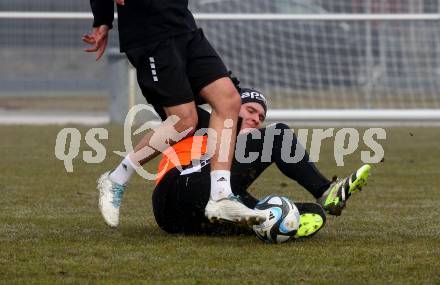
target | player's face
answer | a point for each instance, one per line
(253, 116)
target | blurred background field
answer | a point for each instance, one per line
(51, 230)
(299, 64)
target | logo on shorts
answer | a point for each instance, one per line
(153, 69)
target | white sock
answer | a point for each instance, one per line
(220, 184)
(123, 172)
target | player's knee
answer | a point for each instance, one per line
(278, 126)
(227, 103)
(279, 130)
(236, 101)
(281, 126)
(231, 103)
(187, 120)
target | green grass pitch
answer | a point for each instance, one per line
(51, 230)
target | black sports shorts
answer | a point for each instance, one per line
(172, 72)
(179, 202)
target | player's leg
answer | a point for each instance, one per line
(334, 199)
(269, 146)
(166, 209)
(210, 79)
(165, 135)
(225, 103)
(332, 196)
(112, 185)
(223, 204)
(300, 168)
(162, 77)
(179, 202)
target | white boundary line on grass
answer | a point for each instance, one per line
(46, 118)
(298, 117)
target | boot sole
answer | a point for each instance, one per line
(249, 221)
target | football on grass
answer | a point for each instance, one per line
(282, 221)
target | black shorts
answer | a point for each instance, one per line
(179, 202)
(173, 71)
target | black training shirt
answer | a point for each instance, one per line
(142, 22)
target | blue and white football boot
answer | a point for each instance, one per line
(110, 196)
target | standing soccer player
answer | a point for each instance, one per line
(177, 69)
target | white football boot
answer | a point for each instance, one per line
(110, 196)
(232, 210)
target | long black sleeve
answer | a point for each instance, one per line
(145, 22)
(103, 12)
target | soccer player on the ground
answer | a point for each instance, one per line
(177, 69)
(180, 196)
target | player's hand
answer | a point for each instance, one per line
(120, 2)
(98, 39)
